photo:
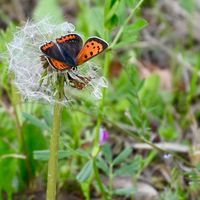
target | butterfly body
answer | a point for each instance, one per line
(68, 51)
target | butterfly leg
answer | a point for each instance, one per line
(85, 79)
(75, 83)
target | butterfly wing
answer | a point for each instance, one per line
(70, 44)
(92, 47)
(52, 52)
(58, 64)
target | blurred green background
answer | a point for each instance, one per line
(152, 99)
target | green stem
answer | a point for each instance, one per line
(98, 179)
(139, 138)
(124, 24)
(19, 130)
(54, 144)
(76, 134)
(99, 122)
(101, 107)
(110, 181)
(98, 125)
(141, 113)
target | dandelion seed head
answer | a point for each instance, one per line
(25, 62)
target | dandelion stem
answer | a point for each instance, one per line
(54, 143)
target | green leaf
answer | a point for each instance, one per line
(9, 168)
(48, 117)
(78, 152)
(96, 17)
(107, 152)
(44, 154)
(48, 8)
(122, 156)
(198, 166)
(136, 26)
(110, 17)
(41, 155)
(150, 96)
(130, 2)
(102, 165)
(130, 169)
(5, 38)
(131, 33)
(33, 140)
(126, 41)
(112, 11)
(82, 153)
(35, 121)
(86, 172)
(113, 22)
(108, 5)
(124, 191)
(140, 85)
(188, 5)
(85, 187)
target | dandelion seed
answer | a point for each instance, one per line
(32, 80)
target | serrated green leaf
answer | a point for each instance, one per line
(35, 121)
(102, 165)
(107, 152)
(86, 172)
(44, 154)
(122, 156)
(124, 191)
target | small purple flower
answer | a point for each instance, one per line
(103, 136)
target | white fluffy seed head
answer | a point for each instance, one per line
(26, 63)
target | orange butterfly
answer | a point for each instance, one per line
(68, 52)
